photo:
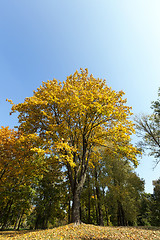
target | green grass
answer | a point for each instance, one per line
(85, 231)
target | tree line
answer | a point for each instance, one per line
(72, 160)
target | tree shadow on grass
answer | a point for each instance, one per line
(153, 228)
(13, 233)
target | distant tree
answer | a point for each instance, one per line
(156, 203)
(148, 128)
(88, 209)
(48, 206)
(145, 216)
(112, 194)
(92, 197)
(124, 191)
(71, 119)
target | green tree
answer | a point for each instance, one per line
(148, 128)
(145, 217)
(124, 191)
(48, 202)
(156, 203)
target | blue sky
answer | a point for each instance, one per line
(115, 40)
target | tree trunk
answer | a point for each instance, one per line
(3, 212)
(76, 208)
(120, 215)
(77, 179)
(96, 206)
(76, 192)
(100, 214)
(20, 219)
(89, 201)
(107, 215)
(2, 173)
(6, 217)
(15, 225)
(69, 212)
(37, 221)
(100, 219)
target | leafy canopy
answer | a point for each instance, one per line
(74, 117)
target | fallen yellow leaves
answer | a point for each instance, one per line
(85, 231)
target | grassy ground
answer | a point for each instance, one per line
(85, 231)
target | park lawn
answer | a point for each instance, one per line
(85, 231)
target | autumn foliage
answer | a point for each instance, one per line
(72, 121)
(82, 109)
(71, 158)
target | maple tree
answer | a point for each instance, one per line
(18, 157)
(19, 166)
(72, 120)
(10, 171)
(7, 142)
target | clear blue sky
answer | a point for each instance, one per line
(118, 40)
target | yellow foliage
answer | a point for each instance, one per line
(18, 164)
(73, 118)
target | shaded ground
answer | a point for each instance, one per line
(85, 231)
